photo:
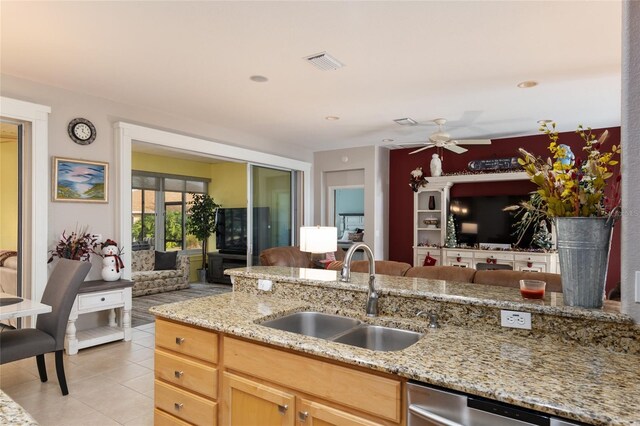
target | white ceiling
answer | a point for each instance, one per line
(452, 59)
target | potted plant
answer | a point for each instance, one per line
(572, 193)
(201, 223)
(78, 245)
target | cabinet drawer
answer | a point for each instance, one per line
(376, 395)
(103, 299)
(187, 340)
(459, 254)
(185, 405)
(531, 258)
(194, 376)
(499, 256)
(160, 418)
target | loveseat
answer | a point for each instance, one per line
(146, 280)
(504, 278)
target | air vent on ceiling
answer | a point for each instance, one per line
(406, 121)
(324, 61)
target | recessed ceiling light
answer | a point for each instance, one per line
(527, 84)
(259, 78)
(332, 118)
(406, 121)
(387, 140)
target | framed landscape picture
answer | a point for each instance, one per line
(80, 180)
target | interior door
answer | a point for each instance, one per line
(271, 210)
(11, 146)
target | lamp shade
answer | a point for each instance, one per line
(318, 239)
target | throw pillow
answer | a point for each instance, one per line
(165, 260)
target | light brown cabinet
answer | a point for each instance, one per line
(203, 378)
(186, 376)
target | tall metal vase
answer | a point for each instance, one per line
(583, 249)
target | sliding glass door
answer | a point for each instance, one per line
(271, 220)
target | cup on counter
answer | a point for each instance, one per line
(532, 289)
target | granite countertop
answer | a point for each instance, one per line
(13, 414)
(587, 384)
(437, 290)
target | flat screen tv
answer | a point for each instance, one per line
(231, 230)
(481, 221)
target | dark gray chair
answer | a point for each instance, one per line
(48, 336)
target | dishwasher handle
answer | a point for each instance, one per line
(418, 411)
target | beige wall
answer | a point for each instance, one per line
(372, 160)
(66, 105)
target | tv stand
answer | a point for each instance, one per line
(218, 262)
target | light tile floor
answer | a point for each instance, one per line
(110, 384)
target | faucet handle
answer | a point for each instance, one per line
(433, 318)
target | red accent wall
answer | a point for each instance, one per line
(401, 196)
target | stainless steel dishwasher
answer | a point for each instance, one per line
(432, 406)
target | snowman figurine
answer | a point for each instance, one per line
(112, 264)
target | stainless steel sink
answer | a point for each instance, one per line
(345, 330)
(379, 338)
(314, 324)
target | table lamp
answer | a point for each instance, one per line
(318, 239)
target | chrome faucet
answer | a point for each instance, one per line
(345, 276)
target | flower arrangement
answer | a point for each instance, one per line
(417, 179)
(570, 186)
(78, 245)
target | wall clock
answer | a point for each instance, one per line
(81, 131)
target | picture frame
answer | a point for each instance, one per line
(80, 180)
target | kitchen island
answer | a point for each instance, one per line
(564, 374)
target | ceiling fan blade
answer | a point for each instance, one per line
(412, 144)
(455, 148)
(422, 149)
(474, 142)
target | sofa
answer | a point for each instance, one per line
(146, 280)
(503, 278)
(290, 256)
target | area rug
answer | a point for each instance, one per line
(140, 309)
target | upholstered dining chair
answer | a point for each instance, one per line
(48, 336)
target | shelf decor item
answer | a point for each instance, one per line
(432, 202)
(112, 264)
(451, 240)
(572, 193)
(417, 179)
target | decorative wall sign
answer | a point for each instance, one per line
(494, 164)
(80, 180)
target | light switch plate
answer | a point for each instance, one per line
(515, 319)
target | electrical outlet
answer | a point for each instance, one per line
(265, 285)
(515, 319)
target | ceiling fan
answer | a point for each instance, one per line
(442, 139)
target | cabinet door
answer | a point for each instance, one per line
(251, 403)
(310, 413)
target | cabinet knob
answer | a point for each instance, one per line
(102, 299)
(282, 409)
(178, 406)
(302, 416)
(179, 340)
(178, 374)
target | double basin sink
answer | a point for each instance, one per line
(345, 330)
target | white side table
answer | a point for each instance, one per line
(95, 296)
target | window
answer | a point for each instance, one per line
(159, 204)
